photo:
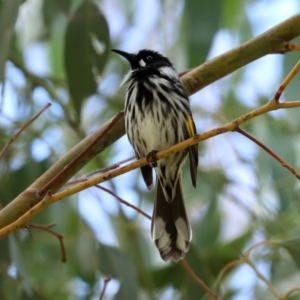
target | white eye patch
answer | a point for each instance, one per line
(142, 63)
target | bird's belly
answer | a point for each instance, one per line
(153, 134)
(147, 134)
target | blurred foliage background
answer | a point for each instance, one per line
(58, 51)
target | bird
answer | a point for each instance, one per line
(158, 115)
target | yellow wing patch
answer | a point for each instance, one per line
(189, 124)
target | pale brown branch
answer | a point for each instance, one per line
(231, 126)
(287, 80)
(290, 292)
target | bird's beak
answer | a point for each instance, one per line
(130, 57)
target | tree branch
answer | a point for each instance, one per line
(231, 126)
(274, 40)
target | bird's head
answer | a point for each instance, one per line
(145, 59)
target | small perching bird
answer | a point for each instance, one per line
(157, 116)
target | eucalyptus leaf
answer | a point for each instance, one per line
(116, 264)
(293, 247)
(8, 16)
(86, 51)
(202, 20)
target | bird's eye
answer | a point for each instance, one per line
(149, 58)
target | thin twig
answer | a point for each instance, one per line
(291, 291)
(287, 80)
(261, 243)
(198, 280)
(123, 201)
(24, 126)
(246, 259)
(262, 277)
(111, 167)
(102, 170)
(260, 144)
(59, 236)
(226, 268)
(106, 282)
(34, 132)
(47, 83)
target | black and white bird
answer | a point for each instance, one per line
(157, 116)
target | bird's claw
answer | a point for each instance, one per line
(151, 158)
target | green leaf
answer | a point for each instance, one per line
(293, 247)
(114, 263)
(136, 245)
(202, 22)
(284, 181)
(232, 11)
(222, 254)
(20, 179)
(8, 17)
(52, 8)
(168, 275)
(207, 230)
(86, 51)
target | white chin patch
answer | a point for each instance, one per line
(142, 63)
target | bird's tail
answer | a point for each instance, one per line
(170, 228)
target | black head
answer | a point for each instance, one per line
(145, 58)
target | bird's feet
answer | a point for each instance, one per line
(151, 158)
